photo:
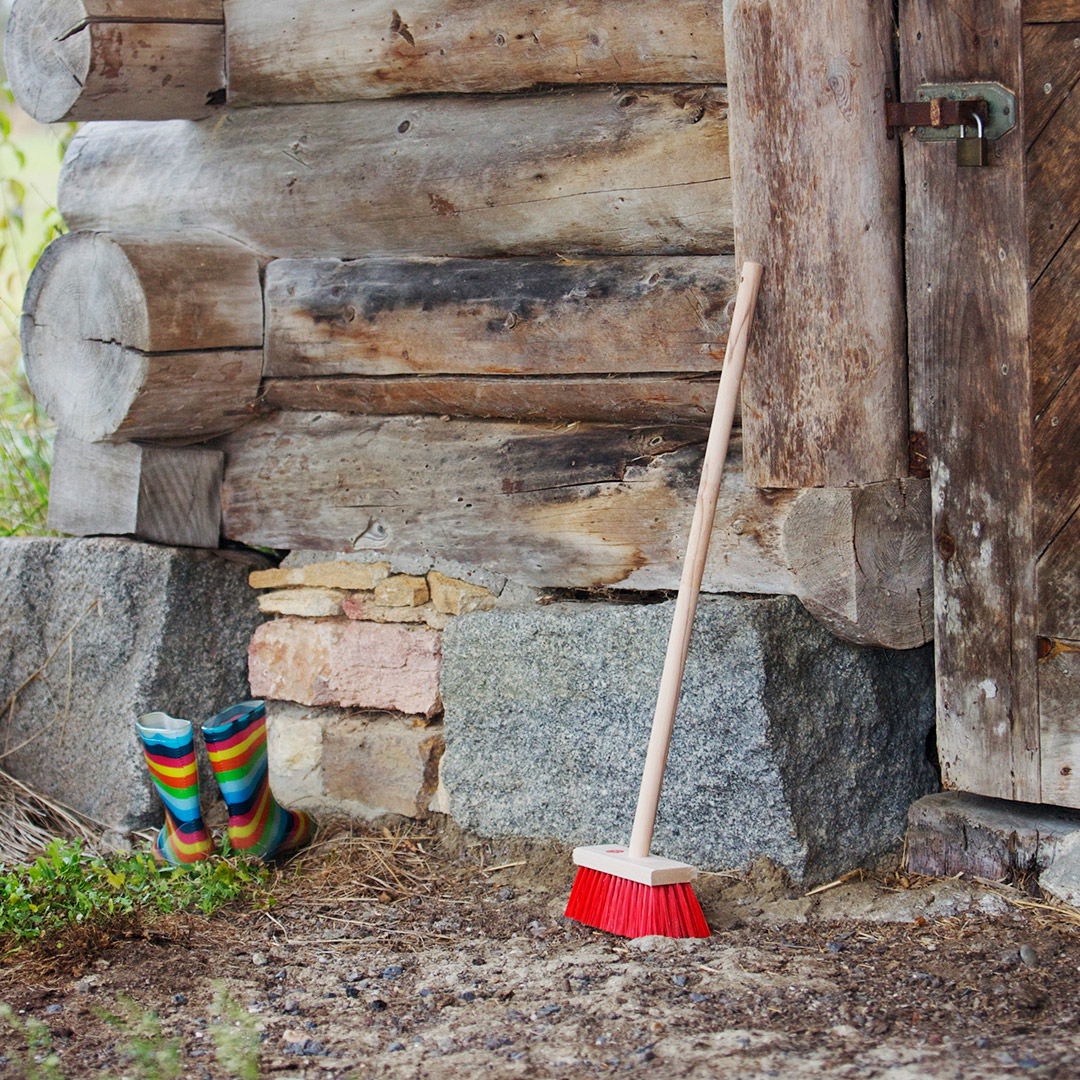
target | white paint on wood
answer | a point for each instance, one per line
(296, 51)
(634, 171)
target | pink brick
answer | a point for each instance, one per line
(342, 662)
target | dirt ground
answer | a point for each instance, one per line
(390, 956)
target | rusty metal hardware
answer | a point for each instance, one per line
(938, 112)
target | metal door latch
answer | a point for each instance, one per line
(969, 112)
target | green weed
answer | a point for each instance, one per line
(29, 220)
(68, 887)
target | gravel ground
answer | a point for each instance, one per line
(393, 956)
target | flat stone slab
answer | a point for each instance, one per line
(953, 832)
(95, 632)
(789, 743)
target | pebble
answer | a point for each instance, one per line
(498, 1042)
(549, 1010)
(260, 959)
(505, 893)
(396, 1046)
(54, 1008)
(179, 999)
(292, 1007)
(1029, 956)
(697, 999)
(378, 1005)
(393, 971)
(679, 980)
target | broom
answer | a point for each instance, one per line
(627, 891)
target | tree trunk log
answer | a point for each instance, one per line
(641, 171)
(100, 60)
(556, 505)
(825, 402)
(585, 339)
(296, 51)
(169, 495)
(144, 337)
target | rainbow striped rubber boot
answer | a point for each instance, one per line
(169, 750)
(258, 825)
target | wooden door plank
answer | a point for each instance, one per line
(1057, 462)
(1050, 11)
(1059, 585)
(1059, 704)
(1054, 184)
(825, 401)
(971, 394)
(1055, 325)
(1051, 69)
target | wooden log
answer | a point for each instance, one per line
(556, 505)
(130, 337)
(628, 399)
(106, 60)
(1059, 709)
(636, 171)
(339, 50)
(503, 338)
(971, 393)
(825, 397)
(496, 317)
(169, 495)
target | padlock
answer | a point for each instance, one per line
(971, 149)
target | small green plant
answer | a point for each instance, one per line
(68, 887)
(236, 1036)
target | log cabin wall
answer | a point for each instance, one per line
(453, 282)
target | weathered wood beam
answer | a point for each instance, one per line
(170, 495)
(971, 393)
(1050, 11)
(576, 505)
(611, 339)
(294, 51)
(116, 59)
(144, 336)
(630, 171)
(825, 400)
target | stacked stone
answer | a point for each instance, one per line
(350, 669)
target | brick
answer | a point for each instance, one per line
(402, 590)
(361, 606)
(310, 603)
(329, 575)
(455, 597)
(389, 764)
(345, 662)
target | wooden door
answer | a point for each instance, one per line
(992, 256)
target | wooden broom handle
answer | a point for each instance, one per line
(697, 549)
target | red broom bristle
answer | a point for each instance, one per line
(631, 910)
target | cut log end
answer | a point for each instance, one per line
(154, 337)
(47, 56)
(77, 60)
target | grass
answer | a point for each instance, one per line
(29, 168)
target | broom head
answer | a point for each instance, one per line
(635, 897)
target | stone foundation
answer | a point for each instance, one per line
(790, 743)
(95, 632)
